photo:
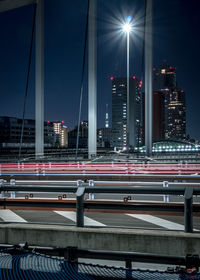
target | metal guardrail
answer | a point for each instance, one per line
(23, 261)
(72, 254)
(82, 188)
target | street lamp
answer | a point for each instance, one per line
(127, 29)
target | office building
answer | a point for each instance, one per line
(164, 77)
(119, 112)
(175, 122)
(60, 133)
(11, 128)
(169, 105)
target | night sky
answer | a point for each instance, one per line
(176, 40)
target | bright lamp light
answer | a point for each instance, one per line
(127, 27)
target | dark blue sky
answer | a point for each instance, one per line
(176, 39)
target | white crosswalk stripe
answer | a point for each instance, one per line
(10, 216)
(157, 221)
(72, 216)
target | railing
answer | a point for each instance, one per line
(23, 261)
(82, 188)
(72, 254)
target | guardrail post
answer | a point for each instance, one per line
(2, 193)
(129, 268)
(12, 182)
(188, 211)
(166, 196)
(91, 184)
(80, 204)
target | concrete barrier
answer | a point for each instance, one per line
(113, 239)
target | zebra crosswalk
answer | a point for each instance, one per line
(10, 216)
(158, 221)
(72, 216)
(94, 219)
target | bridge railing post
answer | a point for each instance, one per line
(2, 193)
(91, 184)
(13, 183)
(188, 209)
(128, 264)
(80, 204)
(166, 196)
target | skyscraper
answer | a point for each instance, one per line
(172, 104)
(119, 112)
(164, 77)
(175, 125)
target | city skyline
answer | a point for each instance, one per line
(63, 55)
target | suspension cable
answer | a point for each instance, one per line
(82, 79)
(143, 44)
(27, 80)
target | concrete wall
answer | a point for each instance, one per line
(114, 239)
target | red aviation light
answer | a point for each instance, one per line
(62, 121)
(134, 77)
(182, 91)
(48, 121)
(112, 78)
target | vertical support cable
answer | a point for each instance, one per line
(128, 97)
(39, 83)
(148, 76)
(92, 81)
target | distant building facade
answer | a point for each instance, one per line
(164, 77)
(104, 137)
(104, 134)
(119, 112)
(83, 136)
(169, 105)
(60, 133)
(175, 125)
(10, 133)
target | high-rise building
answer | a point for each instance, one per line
(164, 77)
(171, 113)
(119, 112)
(175, 124)
(60, 133)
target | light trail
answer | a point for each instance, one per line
(101, 168)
